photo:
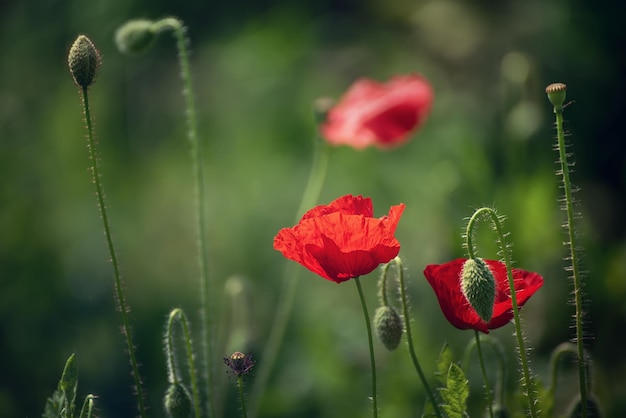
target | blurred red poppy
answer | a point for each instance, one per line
(342, 240)
(379, 114)
(446, 282)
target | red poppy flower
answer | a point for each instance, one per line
(383, 115)
(342, 240)
(445, 281)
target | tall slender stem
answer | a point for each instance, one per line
(371, 345)
(409, 338)
(484, 373)
(197, 166)
(291, 274)
(509, 272)
(574, 258)
(119, 290)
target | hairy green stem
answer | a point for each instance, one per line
(574, 258)
(179, 315)
(311, 195)
(484, 373)
(197, 166)
(242, 399)
(119, 289)
(371, 346)
(409, 338)
(509, 272)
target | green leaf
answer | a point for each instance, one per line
(54, 405)
(455, 393)
(69, 383)
(443, 364)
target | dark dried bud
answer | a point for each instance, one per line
(239, 363)
(84, 60)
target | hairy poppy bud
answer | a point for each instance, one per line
(593, 409)
(389, 326)
(177, 401)
(556, 94)
(84, 61)
(479, 287)
(135, 36)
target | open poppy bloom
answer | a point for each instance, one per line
(379, 114)
(342, 240)
(445, 280)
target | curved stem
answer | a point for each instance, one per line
(119, 290)
(409, 338)
(576, 276)
(371, 345)
(484, 373)
(196, 156)
(178, 314)
(382, 286)
(311, 195)
(499, 353)
(509, 272)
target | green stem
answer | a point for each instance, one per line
(119, 290)
(291, 274)
(178, 314)
(371, 345)
(484, 373)
(501, 358)
(409, 337)
(509, 272)
(242, 399)
(196, 156)
(576, 276)
(87, 409)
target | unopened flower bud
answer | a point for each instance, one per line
(177, 401)
(389, 326)
(593, 408)
(479, 287)
(556, 94)
(239, 363)
(135, 36)
(84, 60)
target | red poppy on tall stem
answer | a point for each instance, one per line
(445, 280)
(342, 240)
(379, 114)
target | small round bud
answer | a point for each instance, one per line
(84, 60)
(556, 94)
(135, 36)
(177, 401)
(389, 326)
(593, 408)
(479, 287)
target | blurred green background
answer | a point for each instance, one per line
(257, 67)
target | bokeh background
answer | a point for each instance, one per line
(257, 67)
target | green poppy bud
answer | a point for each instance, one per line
(84, 60)
(556, 94)
(479, 287)
(135, 36)
(389, 326)
(177, 401)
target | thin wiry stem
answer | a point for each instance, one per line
(409, 338)
(371, 346)
(311, 194)
(197, 166)
(119, 289)
(574, 259)
(484, 373)
(509, 272)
